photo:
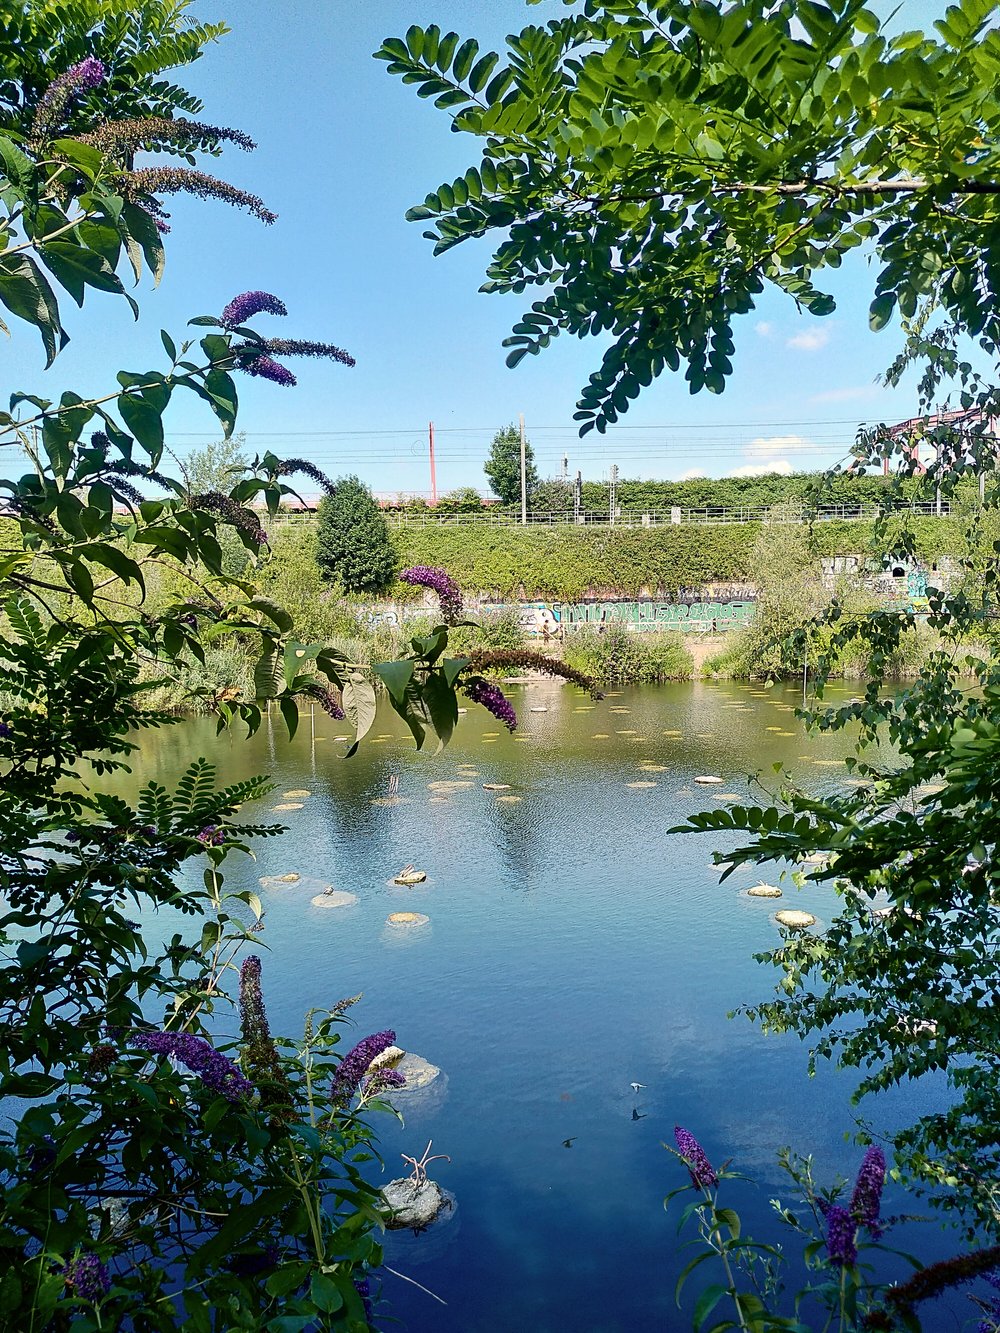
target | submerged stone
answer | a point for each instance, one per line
(270, 881)
(407, 919)
(334, 898)
(412, 1205)
(764, 891)
(795, 920)
(708, 780)
(410, 877)
(297, 795)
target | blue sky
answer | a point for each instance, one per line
(344, 149)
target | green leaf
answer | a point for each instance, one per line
(359, 704)
(325, 1294)
(442, 707)
(26, 293)
(290, 712)
(395, 676)
(464, 58)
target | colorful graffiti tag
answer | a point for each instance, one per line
(551, 619)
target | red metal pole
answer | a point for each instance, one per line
(430, 437)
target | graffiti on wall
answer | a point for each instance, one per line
(548, 619)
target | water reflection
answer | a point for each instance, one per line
(571, 950)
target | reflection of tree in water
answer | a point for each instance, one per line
(515, 832)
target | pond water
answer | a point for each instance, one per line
(572, 949)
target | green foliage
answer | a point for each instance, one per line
(615, 656)
(353, 543)
(503, 466)
(568, 563)
(217, 466)
(658, 167)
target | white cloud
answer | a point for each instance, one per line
(764, 446)
(781, 465)
(691, 474)
(763, 329)
(850, 393)
(809, 340)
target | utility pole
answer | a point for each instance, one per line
(430, 440)
(577, 497)
(524, 475)
(613, 493)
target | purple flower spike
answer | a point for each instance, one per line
(217, 1071)
(6, 731)
(840, 1236)
(493, 700)
(84, 75)
(88, 1277)
(441, 582)
(266, 368)
(703, 1176)
(355, 1066)
(247, 304)
(867, 1197)
(211, 836)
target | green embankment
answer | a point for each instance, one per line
(567, 563)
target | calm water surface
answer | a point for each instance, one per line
(572, 949)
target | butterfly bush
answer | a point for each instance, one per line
(216, 1070)
(439, 581)
(493, 700)
(356, 1064)
(695, 1158)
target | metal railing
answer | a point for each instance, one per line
(635, 518)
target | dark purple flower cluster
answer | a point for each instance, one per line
(211, 836)
(227, 508)
(82, 76)
(841, 1230)
(441, 582)
(523, 659)
(259, 1051)
(217, 1071)
(382, 1080)
(364, 1290)
(144, 185)
(247, 304)
(867, 1197)
(355, 1065)
(101, 1058)
(265, 367)
(289, 466)
(702, 1173)
(326, 699)
(88, 1278)
(131, 136)
(300, 347)
(493, 700)
(6, 731)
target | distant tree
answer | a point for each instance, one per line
(353, 544)
(216, 467)
(503, 466)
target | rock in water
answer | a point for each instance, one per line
(410, 877)
(764, 891)
(418, 1072)
(407, 919)
(708, 780)
(334, 899)
(412, 1205)
(795, 920)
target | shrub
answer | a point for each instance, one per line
(353, 544)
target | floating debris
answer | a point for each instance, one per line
(334, 898)
(795, 920)
(407, 919)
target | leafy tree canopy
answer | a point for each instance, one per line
(503, 466)
(217, 466)
(353, 539)
(658, 165)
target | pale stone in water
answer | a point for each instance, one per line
(509, 800)
(708, 780)
(410, 877)
(764, 891)
(726, 796)
(795, 920)
(335, 899)
(412, 1205)
(496, 786)
(299, 794)
(407, 919)
(538, 708)
(418, 1072)
(292, 877)
(450, 785)
(289, 805)
(640, 784)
